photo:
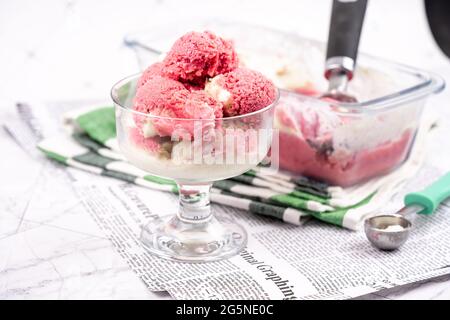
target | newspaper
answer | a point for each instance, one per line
(316, 261)
(281, 261)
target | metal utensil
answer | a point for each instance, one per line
(390, 231)
(343, 40)
(133, 43)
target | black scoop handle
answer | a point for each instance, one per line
(347, 18)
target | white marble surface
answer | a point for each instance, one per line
(64, 50)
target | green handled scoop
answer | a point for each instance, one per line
(390, 231)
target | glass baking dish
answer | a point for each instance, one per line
(340, 143)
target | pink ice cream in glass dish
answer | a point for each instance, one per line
(171, 123)
(341, 146)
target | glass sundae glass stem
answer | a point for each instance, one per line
(194, 202)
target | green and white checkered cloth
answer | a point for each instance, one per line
(91, 145)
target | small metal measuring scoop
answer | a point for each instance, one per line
(390, 231)
(342, 49)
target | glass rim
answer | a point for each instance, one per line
(127, 79)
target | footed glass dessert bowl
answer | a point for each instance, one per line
(193, 153)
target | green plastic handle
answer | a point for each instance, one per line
(431, 196)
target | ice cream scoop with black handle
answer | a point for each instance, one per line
(346, 22)
(347, 18)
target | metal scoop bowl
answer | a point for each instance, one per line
(390, 231)
(346, 22)
(380, 233)
(337, 87)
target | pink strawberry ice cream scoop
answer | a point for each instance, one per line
(154, 70)
(158, 96)
(197, 56)
(157, 70)
(242, 91)
(171, 102)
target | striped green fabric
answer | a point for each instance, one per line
(249, 179)
(284, 199)
(99, 124)
(54, 156)
(268, 210)
(160, 180)
(84, 140)
(119, 175)
(337, 216)
(93, 159)
(225, 185)
(302, 186)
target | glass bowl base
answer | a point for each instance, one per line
(193, 241)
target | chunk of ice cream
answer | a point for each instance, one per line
(158, 96)
(241, 91)
(197, 56)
